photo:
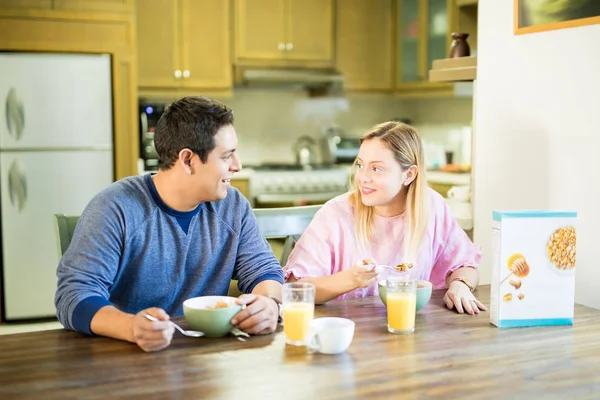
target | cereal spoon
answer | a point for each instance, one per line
(183, 331)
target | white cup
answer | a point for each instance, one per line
(330, 335)
(462, 193)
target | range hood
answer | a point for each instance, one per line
(325, 81)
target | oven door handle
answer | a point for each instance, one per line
(267, 198)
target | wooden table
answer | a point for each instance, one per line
(449, 355)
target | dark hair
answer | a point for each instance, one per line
(191, 122)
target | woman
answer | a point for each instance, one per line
(389, 217)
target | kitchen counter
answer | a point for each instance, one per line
(449, 178)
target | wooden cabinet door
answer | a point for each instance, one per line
(260, 29)
(365, 45)
(243, 185)
(158, 51)
(410, 41)
(310, 30)
(424, 28)
(205, 43)
(38, 4)
(438, 35)
(94, 5)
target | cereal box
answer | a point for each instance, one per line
(533, 275)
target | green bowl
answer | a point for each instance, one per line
(214, 322)
(423, 293)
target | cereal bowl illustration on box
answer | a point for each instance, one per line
(561, 249)
(533, 276)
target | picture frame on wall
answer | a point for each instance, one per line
(545, 15)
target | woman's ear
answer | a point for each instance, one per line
(185, 159)
(410, 175)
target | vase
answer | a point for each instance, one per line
(459, 46)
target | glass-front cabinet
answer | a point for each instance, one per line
(424, 34)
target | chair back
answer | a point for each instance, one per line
(64, 227)
(285, 222)
(273, 223)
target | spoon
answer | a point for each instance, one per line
(379, 268)
(183, 332)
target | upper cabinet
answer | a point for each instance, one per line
(21, 4)
(462, 68)
(365, 44)
(424, 34)
(183, 44)
(94, 5)
(72, 5)
(284, 32)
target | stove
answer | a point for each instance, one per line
(296, 184)
(291, 167)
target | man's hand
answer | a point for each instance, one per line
(152, 335)
(259, 317)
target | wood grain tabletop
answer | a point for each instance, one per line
(448, 356)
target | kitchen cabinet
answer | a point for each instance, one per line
(441, 188)
(284, 32)
(54, 30)
(94, 5)
(26, 4)
(183, 44)
(72, 5)
(365, 44)
(243, 185)
(424, 34)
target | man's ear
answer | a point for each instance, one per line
(185, 159)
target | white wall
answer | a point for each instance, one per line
(268, 122)
(537, 131)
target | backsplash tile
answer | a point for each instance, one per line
(268, 122)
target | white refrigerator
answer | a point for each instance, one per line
(56, 153)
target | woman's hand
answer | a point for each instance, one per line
(363, 273)
(460, 297)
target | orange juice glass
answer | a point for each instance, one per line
(401, 305)
(298, 311)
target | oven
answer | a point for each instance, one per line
(285, 185)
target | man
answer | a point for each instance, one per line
(147, 243)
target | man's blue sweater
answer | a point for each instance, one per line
(132, 251)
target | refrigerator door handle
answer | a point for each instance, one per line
(15, 114)
(17, 186)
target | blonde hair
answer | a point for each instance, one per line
(404, 141)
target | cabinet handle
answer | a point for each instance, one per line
(289, 46)
(177, 74)
(186, 73)
(281, 46)
(17, 186)
(15, 114)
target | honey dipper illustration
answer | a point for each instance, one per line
(517, 265)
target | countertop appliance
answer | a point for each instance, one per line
(150, 113)
(305, 149)
(336, 148)
(56, 153)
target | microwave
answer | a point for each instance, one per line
(149, 113)
(339, 149)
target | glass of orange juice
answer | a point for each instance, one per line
(401, 304)
(298, 311)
